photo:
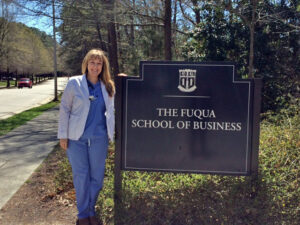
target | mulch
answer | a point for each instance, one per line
(39, 201)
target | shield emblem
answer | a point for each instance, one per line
(187, 80)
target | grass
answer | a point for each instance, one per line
(193, 199)
(4, 83)
(11, 123)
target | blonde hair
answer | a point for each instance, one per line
(104, 76)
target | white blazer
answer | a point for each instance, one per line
(74, 109)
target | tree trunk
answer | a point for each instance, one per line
(196, 11)
(112, 37)
(251, 55)
(103, 46)
(174, 27)
(98, 27)
(168, 30)
(16, 78)
(7, 77)
(131, 40)
(120, 51)
(174, 16)
(54, 53)
(252, 30)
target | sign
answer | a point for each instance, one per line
(189, 117)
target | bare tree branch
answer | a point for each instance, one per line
(184, 14)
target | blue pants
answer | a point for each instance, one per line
(87, 158)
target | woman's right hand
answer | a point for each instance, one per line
(63, 143)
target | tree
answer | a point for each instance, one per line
(223, 36)
(93, 7)
(5, 19)
(112, 37)
(248, 13)
(36, 9)
(168, 33)
(4, 27)
(195, 7)
(130, 30)
(29, 52)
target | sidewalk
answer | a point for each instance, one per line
(23, 149)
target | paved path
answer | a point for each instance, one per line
(14, 100)
(23, 149)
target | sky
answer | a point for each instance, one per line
(41, 23)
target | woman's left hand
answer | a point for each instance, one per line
(63, 143)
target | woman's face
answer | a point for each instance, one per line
(94, 67)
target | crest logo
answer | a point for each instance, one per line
(187, 80)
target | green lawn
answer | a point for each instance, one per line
(4, 83)
(9, 124)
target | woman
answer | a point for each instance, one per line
(86, 121)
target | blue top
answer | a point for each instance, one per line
(95, 125)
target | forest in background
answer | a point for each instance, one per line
(261, 37)
(26, 51)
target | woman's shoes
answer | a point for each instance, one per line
(88, 221)
(94, 221)
(84, 221)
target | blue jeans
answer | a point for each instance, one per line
(87, 158)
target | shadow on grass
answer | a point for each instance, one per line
(231, 200)
(17, 120)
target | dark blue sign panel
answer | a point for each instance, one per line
(187, 117)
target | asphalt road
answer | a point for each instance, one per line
(14, 100)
